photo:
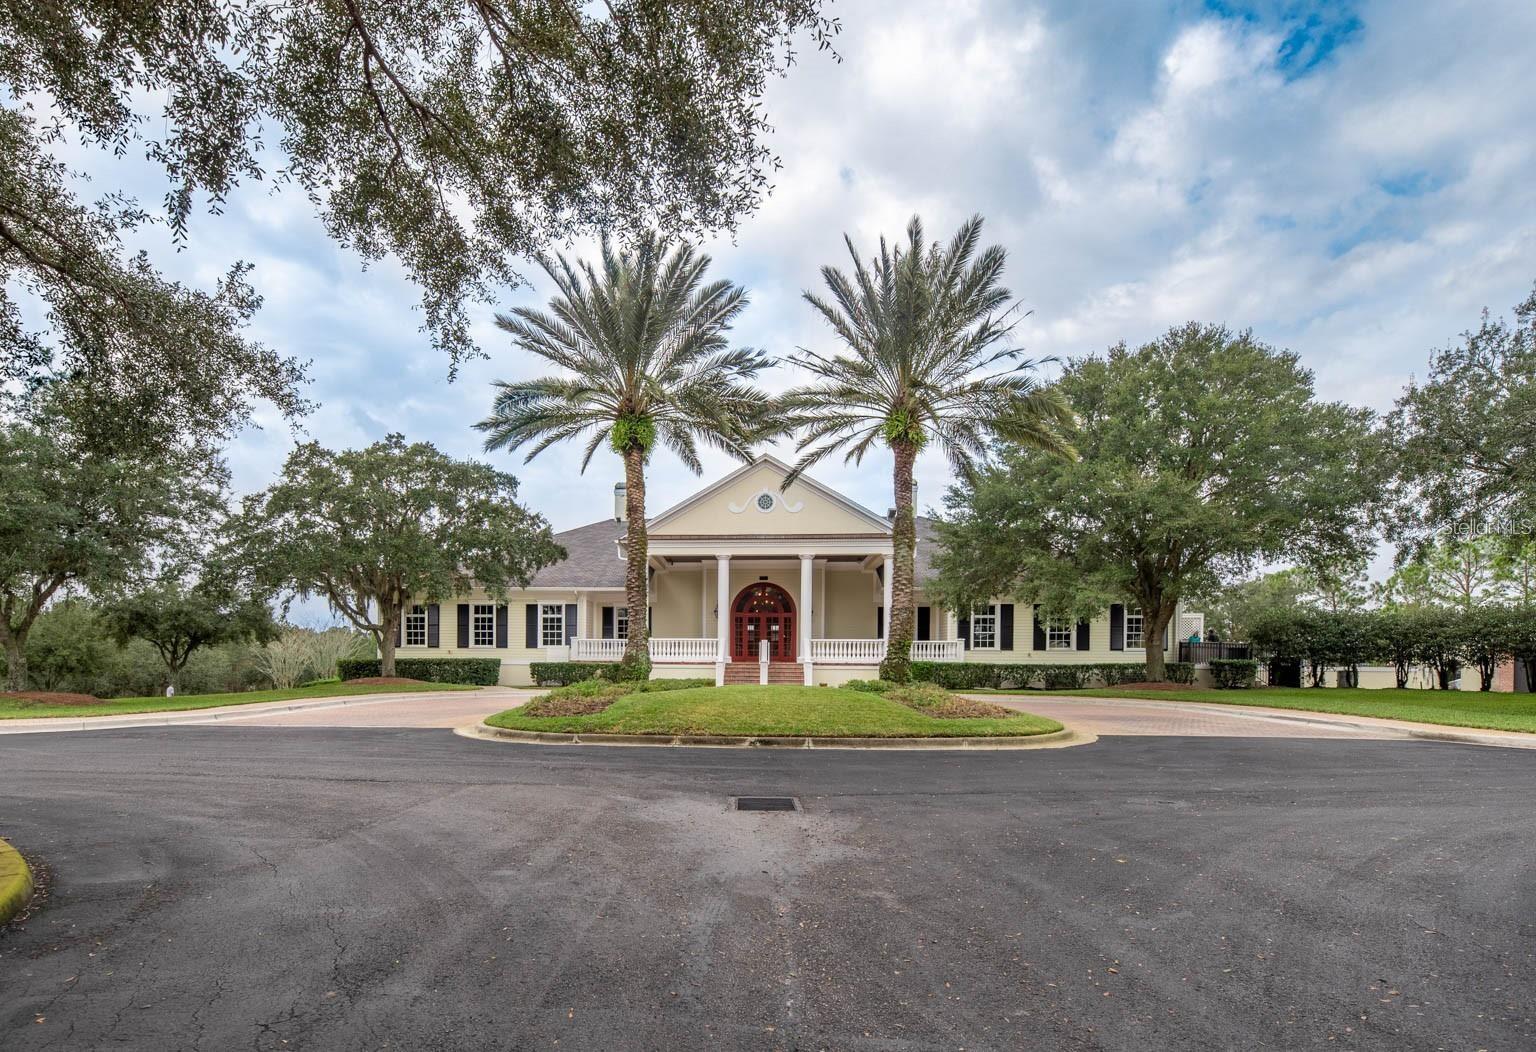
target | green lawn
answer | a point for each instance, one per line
(1451, 708)
(812, 712)
(11, 709)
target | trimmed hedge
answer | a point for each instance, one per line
(869, 686)
(1179, 671)
(481, 672)
(967, 675)
(1234, 673)
(563, 673)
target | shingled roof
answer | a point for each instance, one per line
(592, 556)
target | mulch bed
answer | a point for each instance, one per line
(942, 705)
(50, 697)
(387, 681)
(571, 706)
(957, 708)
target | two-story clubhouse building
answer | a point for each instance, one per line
(742, 576)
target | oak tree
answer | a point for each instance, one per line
(370, 529)
(1201, 455)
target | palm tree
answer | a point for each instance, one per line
(926, 331)
(642, 342)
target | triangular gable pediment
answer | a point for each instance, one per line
(749, 502)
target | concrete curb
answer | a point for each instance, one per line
(224, 713)
(1391, 728)
(1055, 740)
(15, 882)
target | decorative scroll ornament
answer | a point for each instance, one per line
(765, 502)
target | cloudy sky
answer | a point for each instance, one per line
(1354, 181)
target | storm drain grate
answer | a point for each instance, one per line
(766, 803)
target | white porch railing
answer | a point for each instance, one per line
(938, 650)
(597, 649)
(847, 651)
(684, 649)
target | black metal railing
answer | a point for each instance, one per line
(1204, 653)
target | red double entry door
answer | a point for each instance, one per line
(763, 611)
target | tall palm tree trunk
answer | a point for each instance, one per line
(898, 631)
(637, 653)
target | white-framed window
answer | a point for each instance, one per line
(416, 626)
(984, 628)
(552, 624)
(482, 625)
(621, 622)
(1058, 634)
(1135, 629)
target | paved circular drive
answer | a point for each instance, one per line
(275, 888)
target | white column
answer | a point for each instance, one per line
(820, 628)
(723, 606)
(886, 625)
(807, 604)
(807, 611)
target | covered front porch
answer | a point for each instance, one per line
(753, 609)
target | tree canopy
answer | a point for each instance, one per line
(178, 619)
(456, 135)
(372, 528)
(1200, 454)
(73, 517)
(1463, 435)
(136, 363)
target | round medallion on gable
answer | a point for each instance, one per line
(765, 502)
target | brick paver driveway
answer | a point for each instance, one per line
(1112, 716)
(448, 709)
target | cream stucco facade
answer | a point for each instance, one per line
(742, 571)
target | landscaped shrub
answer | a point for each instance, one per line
(1234, 673)
(481, 672)
(1179, 671)
(869, 686)
(1114, 673)
(652, 686)
(1065, 677)
(560, 673)
(975, 675)
(958, 675)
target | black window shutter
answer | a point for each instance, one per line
(879, 622)
(1165, 637)
(1082, 635)
(501, 625)
(1005, 626)
(608, 622)
(463, 625)
(570, 623)
(531, 613)
(924, 623)
(434, 625)
(963, 630)
(1039, 627)
(1117, 626)
(399, 620)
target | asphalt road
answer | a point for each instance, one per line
(290, 888)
